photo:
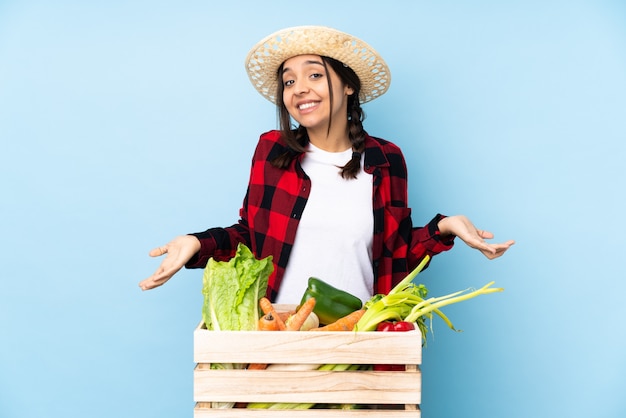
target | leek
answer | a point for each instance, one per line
(408, 302)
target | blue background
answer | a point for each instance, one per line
(124, 124)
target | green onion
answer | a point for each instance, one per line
(408, 302)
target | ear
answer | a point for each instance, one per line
(349, 91)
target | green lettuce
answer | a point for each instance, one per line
(232, 290)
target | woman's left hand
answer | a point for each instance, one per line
(462, 227)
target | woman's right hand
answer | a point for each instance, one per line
(179, 251)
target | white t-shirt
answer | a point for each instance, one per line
(335, 233)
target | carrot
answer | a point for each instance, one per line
(267, 307)
(345, 323)
(268, 323)
(256, 366)
(296, 320)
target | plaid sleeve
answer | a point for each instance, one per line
(219, 243)
(428, 240)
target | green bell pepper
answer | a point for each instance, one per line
(330, 303)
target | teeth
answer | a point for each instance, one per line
(306, 105)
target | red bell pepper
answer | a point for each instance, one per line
(395, 326)
(389, 326)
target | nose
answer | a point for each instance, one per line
(301, 86)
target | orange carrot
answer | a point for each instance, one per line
(268, 323)
(257, 366)
(267, 307)
(295, 321)
(345, 323)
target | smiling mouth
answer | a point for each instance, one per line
(308, 105)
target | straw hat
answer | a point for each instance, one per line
(265, 58)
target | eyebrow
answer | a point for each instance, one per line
(309, 62)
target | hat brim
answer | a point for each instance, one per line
(266, 57)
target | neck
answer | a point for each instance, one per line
(335, 140)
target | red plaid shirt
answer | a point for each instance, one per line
(277, 197)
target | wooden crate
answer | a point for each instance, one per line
(381, 393)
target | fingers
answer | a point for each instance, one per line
(497, 250)
(178, 251)
(152, 281)
(150, 284)
(147, 284)
(484, 234)
(488, 249)
(156, 252)
(156, 280)
(168, 268)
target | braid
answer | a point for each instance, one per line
(356, 134)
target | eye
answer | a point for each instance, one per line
(287, 83)
(316, 75)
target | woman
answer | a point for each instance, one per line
(325, 199)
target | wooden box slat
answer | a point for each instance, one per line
(307, 386)
(309, 413)
(312, 347)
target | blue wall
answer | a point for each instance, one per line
(123, 124)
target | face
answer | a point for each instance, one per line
(306, 94)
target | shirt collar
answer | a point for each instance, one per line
(374, 153)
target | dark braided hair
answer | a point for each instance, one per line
(297, 139)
